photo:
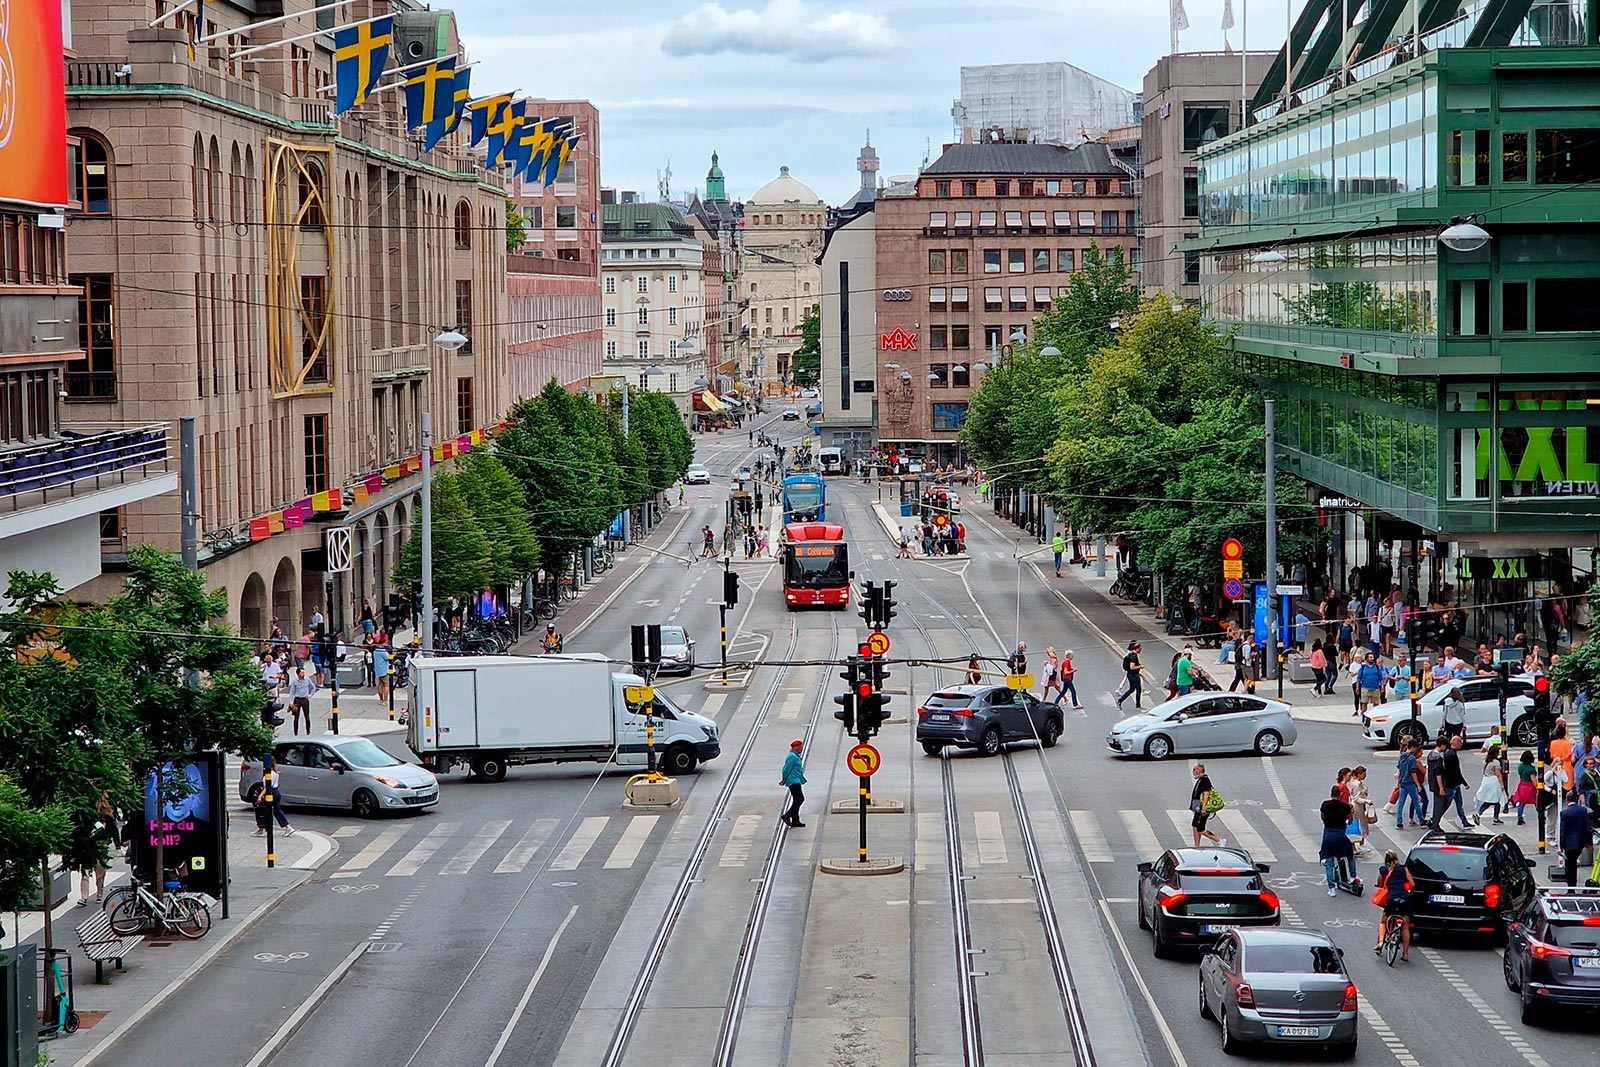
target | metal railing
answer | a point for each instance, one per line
(91, 385)
(64, 464)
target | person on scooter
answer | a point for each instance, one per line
(551, 642)
(1336, 848)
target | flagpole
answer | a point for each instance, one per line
(305, 36)
(402, 85)
(1344, 43)
(1288, 54)
(273, 22)
(402, 70)
(180, 9)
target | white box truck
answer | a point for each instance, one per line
(492, 712)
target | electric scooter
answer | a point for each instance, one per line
(1346, 878)
(62, 1018)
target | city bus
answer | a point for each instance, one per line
(804, 499)
(816, 565)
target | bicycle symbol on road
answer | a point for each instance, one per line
(1289, 881)
(276, 957)
(346, 887)
(1342, 924)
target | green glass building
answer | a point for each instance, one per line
(1444, 400)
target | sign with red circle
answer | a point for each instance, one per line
(1232, 549)
(1233, 589)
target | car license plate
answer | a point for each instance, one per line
(1446, 898)
(1217, 928)
(1586, 962)
(939, 718)
(1299, 1031)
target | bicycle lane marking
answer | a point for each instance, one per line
(1481, 1006)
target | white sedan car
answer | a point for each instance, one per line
(1388, 722)
(697, 475)
(1206, 722)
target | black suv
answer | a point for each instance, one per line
(1553, 950)
(1192, 896)
(1467, 882)
(986, 717)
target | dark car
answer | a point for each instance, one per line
(1192, 896)
(1466, 882)
(1553, 951)
(1281, 987)
(985, 717)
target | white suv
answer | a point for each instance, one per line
(1390, 721)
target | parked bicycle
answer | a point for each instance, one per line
(137, 909)
(1132, 585)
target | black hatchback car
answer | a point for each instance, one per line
(1553, 951)
(1466, 882)
(1192, 896)
(986, 717)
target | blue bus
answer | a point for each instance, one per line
(804, 499)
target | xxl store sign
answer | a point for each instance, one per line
(898, 341)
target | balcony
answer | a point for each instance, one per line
(82, 461)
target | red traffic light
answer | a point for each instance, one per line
(864, 689)
(1541, 684)
(864, 650)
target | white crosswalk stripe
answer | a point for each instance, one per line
(481, 842)
(1145, 841)
(633, 838)
(579, 844)
(737, 850)
(371, 854)
(1237, 829)
(423, 850)
(1090, 837)
(523, 851)
(1303, 842)
(991, 841)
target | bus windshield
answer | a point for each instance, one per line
(816, 566)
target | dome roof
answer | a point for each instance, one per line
(785, 190)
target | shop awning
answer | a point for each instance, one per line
(706, 400)
(731, 402)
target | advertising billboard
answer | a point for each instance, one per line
(33, 104)
(192, 828)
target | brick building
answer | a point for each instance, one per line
(278, 274)
(985, 240)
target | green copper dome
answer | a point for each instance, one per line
(716, 189)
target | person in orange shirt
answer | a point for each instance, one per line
(1561, 749)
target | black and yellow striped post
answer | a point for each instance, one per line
(270, 799)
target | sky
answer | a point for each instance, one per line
(769, 83)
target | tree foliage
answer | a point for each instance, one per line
(807, 362)
(500, 509)
(1578, 673)
(1340, 297)
(463, 554)
(516, 228)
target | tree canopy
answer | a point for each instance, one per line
(463, 553)
(807, 364)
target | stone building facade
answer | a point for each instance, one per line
(654, 299)
(783, 225)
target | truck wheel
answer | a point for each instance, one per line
(679, 759)
(490, 768)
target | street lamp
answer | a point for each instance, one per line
(1268, 257)
(1464, 235)
(451, 340)
(1049, 351)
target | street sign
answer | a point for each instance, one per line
(1233, 568)
(1019, 681)
(1287, 589)
(940, 520)
(879, 643)
(638, 694)
(1233, 588)
(864, 760)
(1232, 549)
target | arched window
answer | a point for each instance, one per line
(249, 179)
(463, 224)
(313, 215)
(89, 173)
(214, 201)
(197, 177)
(235, 177)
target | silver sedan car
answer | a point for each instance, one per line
(677, 650)
(348, 772)
(1270, 985)
(1206, 722)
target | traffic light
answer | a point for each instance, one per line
(869, 604)
(1542, 718)
(847, 701)
(871, 710)
(730, 587)
(880, 674)
(885, 605)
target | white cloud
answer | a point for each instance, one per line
(788, 28)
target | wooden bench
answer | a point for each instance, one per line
(102, 944)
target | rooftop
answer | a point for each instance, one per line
(1046, 160)
(642, 222)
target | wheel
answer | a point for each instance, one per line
(1158, 747)
(193, 919)
(1205, 1009)
(1050, 734)
(253, 794)
(1346, 1052)
(1158, 940)
(1513, 983)
(115, 897)
(933, 748)
(490, 768)
(1415, 731)
(545, 609)
(1525, 732)
(1391, 946)
(679, 759)
(71, 1026)
(129, 917)
(1268, 743)
(990, 743)
(1230, 1044)
(364, 804)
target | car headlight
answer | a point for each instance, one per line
(1378, 718)
(384, 779)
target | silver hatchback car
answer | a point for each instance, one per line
(1269, 985)
(348, 772)
(1206, 722)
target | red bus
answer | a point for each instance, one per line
(816, 565)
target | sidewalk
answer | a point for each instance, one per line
(158, 968)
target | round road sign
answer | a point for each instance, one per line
(1233, 589)
(940, 520)
(879, 643)
(1232, 549)
(864, 761)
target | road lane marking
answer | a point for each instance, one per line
(1490, 1016)
(930, 838)
(1145, 841)
(527, 993)
(1278, 792)
(481, 842)
(1157, 1012)
(1237, 829)
(792, 705)
(737, 850)
(1090, 837)
(348, 831)
(1396, 1047)
(315, 997)
(632, 841)
(523, 851)
(423, 851)
(321, 849)
(1302, 841)
(579, 844)
(991, 840)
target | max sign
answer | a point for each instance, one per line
(898, 341)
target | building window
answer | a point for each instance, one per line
(672, 316)
(1191, 268)
(960, 376)
(464, 405)
(1191, 192)
(958, 298)
(936, 261)
(1085, 222)
(611, 350)
(533, 217)
(963, 222)
(1041, 261)
(992, 296)
(94, 377)
(1063, 221)
(969, 188)
(941, 188)
(938, 376)
(1078, 187)
(1203, 123)
(314, 313)
(1041, 298)
(644, 284)
(1566, 157)
(1514, 156)
(1019, 298)
(316, 450)
(1024, 187)
(1013, 222)
(611, 316)
(566, 216)
(958, 261)
(936, 298)
(89, 174)
(111, 526)
(949, 416)
(1052, 188)
(937, 220)
(1514, 307)
(938, 338)
(644, 349)
(313, 215)
(611, 286)
(1064, 261)
(1016, 261)
(987, 221)
(1559, 304)
(463, 226)
(464, 314)
(960, 337)
(672, 283)
(991, 337)
(1111, 221)
(643, 316)
(1036, 221)
(991, 261)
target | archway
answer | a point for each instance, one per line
(285, 610)
(358, 566)
(253, 607)
(381, 565)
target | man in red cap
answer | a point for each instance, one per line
(794, 776)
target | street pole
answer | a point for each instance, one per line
(722, 614)
(627, 509)
(427, 533)
(270, 799)
(1272, 536)
(189, 494)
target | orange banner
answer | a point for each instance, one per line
(33, 103)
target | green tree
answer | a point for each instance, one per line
(29, 834)
(666, 443)
(807, 362)
(463, 555)
(516, 228)
(500, 510)
(1578, 673)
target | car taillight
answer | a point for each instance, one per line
(1591, 922)
(1244, 995)
(1545, 951)
(1491, 895)
(922, 711)
(964, 712)
(1270, 900)
(1173, 901)
(1349, 1001)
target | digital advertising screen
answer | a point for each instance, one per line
(33, 104)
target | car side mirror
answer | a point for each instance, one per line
(1146, 868)
(1340, 951)
(1530, 862)
(1510, 918)
(338, 768)
(1182, 716)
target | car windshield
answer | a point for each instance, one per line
(364, 753)
(698, 470)
(1292, 959)
(673, 635)
(1447, 864)
(948, 700)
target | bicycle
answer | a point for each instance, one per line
(181, 912)
(1393, 929)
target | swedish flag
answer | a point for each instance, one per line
(559, 153)
(502, 129)
(486, 112)
(535, 141)
(518, 146)
(452, 116)
(430, 93)
(359, 55)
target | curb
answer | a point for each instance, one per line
(855, 868)
(244, 925)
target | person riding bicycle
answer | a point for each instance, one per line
(1394, 888)
(551, 641)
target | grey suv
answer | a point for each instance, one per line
(985, 717)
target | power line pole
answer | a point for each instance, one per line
(189, 494)
(427, 533)
(1274, 632)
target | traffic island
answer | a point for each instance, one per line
(660, 793)
(854, 866)
(852, 806)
